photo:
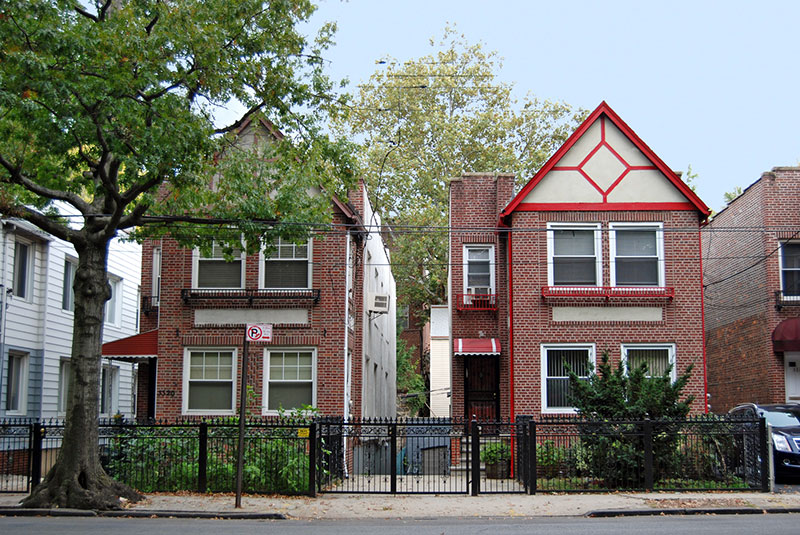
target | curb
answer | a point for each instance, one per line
(610, 513)
(140, 513)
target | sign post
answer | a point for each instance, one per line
(257, 332)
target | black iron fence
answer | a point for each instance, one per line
(435, 456)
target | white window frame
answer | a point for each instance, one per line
(780, 273)
(197, 258)
(590, 347)
(114, 303)
(21, 377)
(67, 292)
(262, 268)
(669, 347)
(658, 228)
(109, 391)
(187, 351)
(598, 251)
(479, 246)
(29, 271)
(267, 380)
(64, 370)
(155, 293)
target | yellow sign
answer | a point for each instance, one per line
(302, 432)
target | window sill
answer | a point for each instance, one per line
(609, 292)
(195, 295)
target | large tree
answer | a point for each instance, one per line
(109, 107)
(428, 119)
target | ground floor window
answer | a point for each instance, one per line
(557, 361)
(657, 357)
(16, 382)
(64, 369)
(209, 381)
(109, 388)
(289, 378)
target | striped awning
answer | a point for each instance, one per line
(476, 346)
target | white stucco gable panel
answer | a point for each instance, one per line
(604, 168)
(563, 186)
(645, 186)
(582, 147)
(624, 147)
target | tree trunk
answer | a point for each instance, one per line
(77, 479)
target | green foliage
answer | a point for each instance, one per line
(409, 381)
(428, 119)
(613, 399)
(729, 196)
(495, 452)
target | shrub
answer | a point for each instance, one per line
(495, 452)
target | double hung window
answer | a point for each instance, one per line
(479, 269)
(790, 270)
(658, 358)
(557, 362)
(23, 270)
(214, 270)
(64, 370)
(114, 303)
(287, 265)
(637, 254)
(16, 382)
(209, 377)
(289, 377)
(67, 292)
(109, 386)
(574, 255)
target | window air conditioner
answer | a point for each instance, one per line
(379, 303)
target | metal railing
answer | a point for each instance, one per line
(784, 300)
(476, 301)
(192, 295)
(609, 292)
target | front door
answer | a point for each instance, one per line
(482, 387)
(792, 375)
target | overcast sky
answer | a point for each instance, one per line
(709, 83)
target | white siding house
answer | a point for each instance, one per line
(36, 271)
(440, 361)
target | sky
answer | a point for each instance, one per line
(705, 83)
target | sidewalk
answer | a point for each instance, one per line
(349, 506)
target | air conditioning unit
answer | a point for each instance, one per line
(477, 295)
(379, 303)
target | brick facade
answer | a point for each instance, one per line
(741, 248)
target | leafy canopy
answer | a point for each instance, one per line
(426, 120)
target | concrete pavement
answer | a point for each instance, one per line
(353, 506)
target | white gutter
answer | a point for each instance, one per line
(3, 303)
(347, 289)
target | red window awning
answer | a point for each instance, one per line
(138, 346)
(476, 346)
(786, 336)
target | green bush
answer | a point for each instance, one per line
(495, 452)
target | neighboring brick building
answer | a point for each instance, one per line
(751, 270)
(599, 252)
(332, 346)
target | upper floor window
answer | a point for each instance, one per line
(637, 254)
(114, 304)
(68, 292)
(23, 270)
(573, 254)
(402, 318)
(790, 269)
(288, 265)
(479, 269)
(214, 270)
(657, 357)
(156, 281)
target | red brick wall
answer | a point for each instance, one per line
(742, 274)
(475, 204)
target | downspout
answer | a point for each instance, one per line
(510, 329)
(347, 288)
(4, 306)
(450, 321)
(703, 324)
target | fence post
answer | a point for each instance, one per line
(312, 459)
(393, 455)
(647, 430)
(475, 449)
(36, 454)
(766, 448)
(202, 461)
(532, 468)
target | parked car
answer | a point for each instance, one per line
(785, 423)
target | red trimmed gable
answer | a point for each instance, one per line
(606, 118)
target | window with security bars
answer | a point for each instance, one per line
(290, 377)
(214, 270)
(559, 361)
(657, 359)
(288, 265)
(636, 256)
(574, 256)
(210, 381)
(790, 269)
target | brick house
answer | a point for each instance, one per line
(599, 252)
(751, 271)
(330, 301)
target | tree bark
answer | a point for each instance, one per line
(77, 480)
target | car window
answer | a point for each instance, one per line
(781, 418)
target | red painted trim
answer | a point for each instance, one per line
(605, 109)
(703, 325)
(510, 330)
(616, 182)
(601, 206)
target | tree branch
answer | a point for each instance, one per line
(16, 177)
(242, 120)
(47, 224)
(80, 11)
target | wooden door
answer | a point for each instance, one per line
(482, 387)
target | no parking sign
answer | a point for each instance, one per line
(259, 332)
